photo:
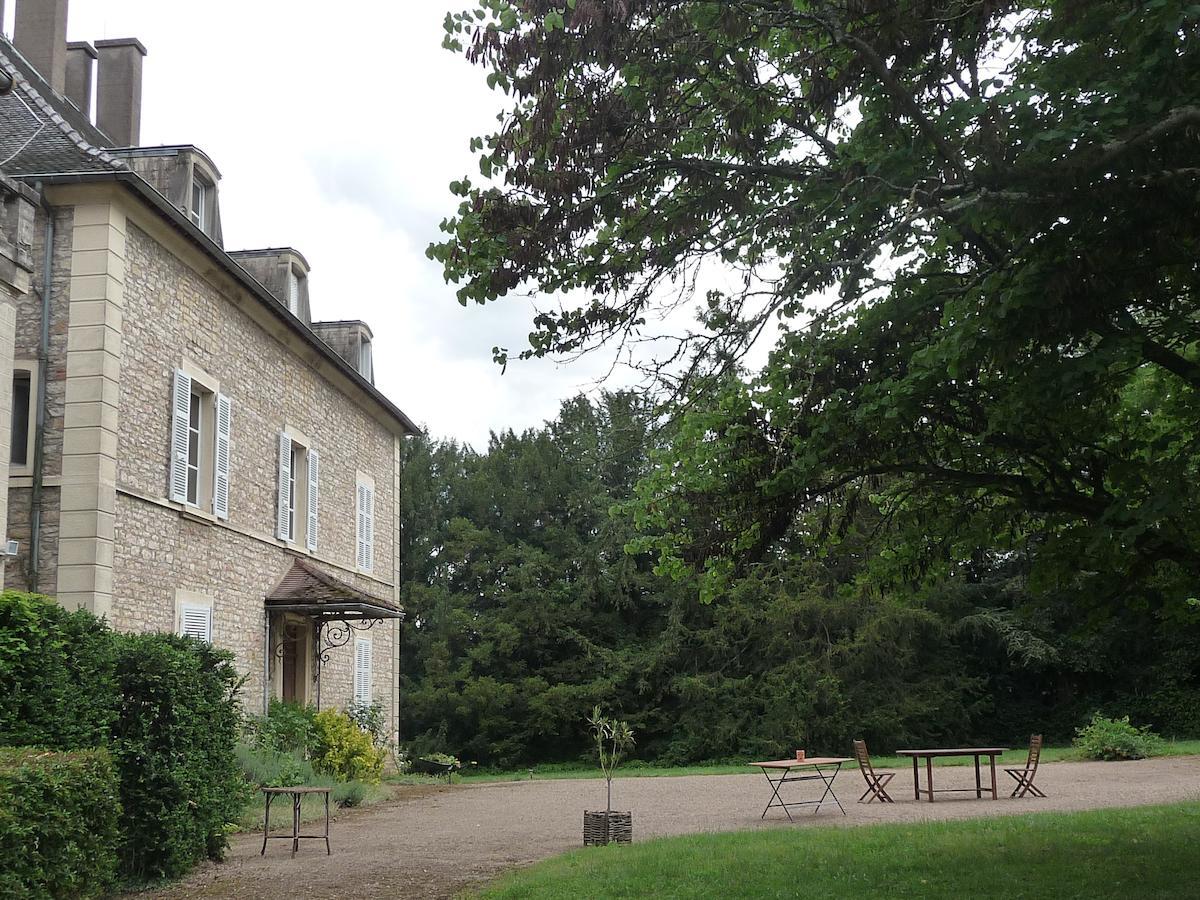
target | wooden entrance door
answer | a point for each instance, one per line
(294, 648)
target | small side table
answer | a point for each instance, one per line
(297, 793)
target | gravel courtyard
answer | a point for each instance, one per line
(438, 841)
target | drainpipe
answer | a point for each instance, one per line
(266, 662)
(39, 441)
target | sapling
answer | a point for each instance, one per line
(613, 739)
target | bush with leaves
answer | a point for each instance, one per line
(287, 728)
(344, 750)
(174, 742)
(164, 706)
(58, 823)
(1105, 738)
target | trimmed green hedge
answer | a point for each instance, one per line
(58, 823)
(164, 706)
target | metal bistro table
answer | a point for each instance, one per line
(295, 837)
(825, 768)
(928, 756)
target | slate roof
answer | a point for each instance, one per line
(43, 133)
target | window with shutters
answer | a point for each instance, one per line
(299, 490)
(200, 436)
(295, 290)
(365, 524)
(362, 671)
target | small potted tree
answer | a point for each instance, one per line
(613, 739)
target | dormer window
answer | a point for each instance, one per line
(366, 366)
(295, 287)
(202, 193)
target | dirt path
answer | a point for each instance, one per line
(434, 842)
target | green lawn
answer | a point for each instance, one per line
(1148, 852)
(635, 770)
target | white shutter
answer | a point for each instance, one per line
(181, 399)
(221, 462)
(366, 527)
(314, 465)
(285, 487)
(362, 671)
(360, 530)
(370, 529)
(196, 621)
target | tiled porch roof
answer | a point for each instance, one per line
(306, 589)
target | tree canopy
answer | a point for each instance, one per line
(973, 221)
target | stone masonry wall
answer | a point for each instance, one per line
(27, 338)
(173, 315)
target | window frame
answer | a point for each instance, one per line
(200, 468)
(30, 367)
(201, 201)
(301, 458)
(192, 602)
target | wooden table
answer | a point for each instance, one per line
(928, 756)
(297, 793)
(825, 768)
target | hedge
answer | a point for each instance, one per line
(164, 706)
(58, 823)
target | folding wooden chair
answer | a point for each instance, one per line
(876, 782)
(1024, 777)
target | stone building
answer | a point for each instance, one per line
(190, 452)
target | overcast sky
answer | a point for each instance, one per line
(337, 127)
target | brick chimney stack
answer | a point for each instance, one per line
(40, 33)
(80, 55)
(119, 90)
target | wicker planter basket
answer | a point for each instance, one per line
(604, 828)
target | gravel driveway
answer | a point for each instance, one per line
(436, 841)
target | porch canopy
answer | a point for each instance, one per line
(336, 609)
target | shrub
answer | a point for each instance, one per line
(274, 768)
(1105, 738)
(371, 719)
(351, 793)
(58, 823)
(164, 706)
(56, 675)
(173, 742)
(287, 727)
(344, 750)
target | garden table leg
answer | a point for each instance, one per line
(929, 776)
(775, 790)
(327, 850)
(266, 824)
(993, 758)
(916, 780)
(978, 785)
(295, 824)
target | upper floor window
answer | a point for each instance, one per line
(22, 410)
(202, 195)
(365, 523)
(299, 491)
(201, 420)
(366, 365)
(295, 286)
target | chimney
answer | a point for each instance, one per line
(79, 75)
(119, 90)
(40, 33)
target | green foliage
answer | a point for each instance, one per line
(287, 728)
(349, 793)
(370, 718)
(971, 456)
(164, 706)
(344, 750)
(56, 674)
(58, 823)
(1105, 738)
(264, 767)
(173, 743)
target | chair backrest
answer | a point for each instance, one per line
(1035, 753)
(863, 757)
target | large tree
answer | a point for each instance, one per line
(975, 221)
